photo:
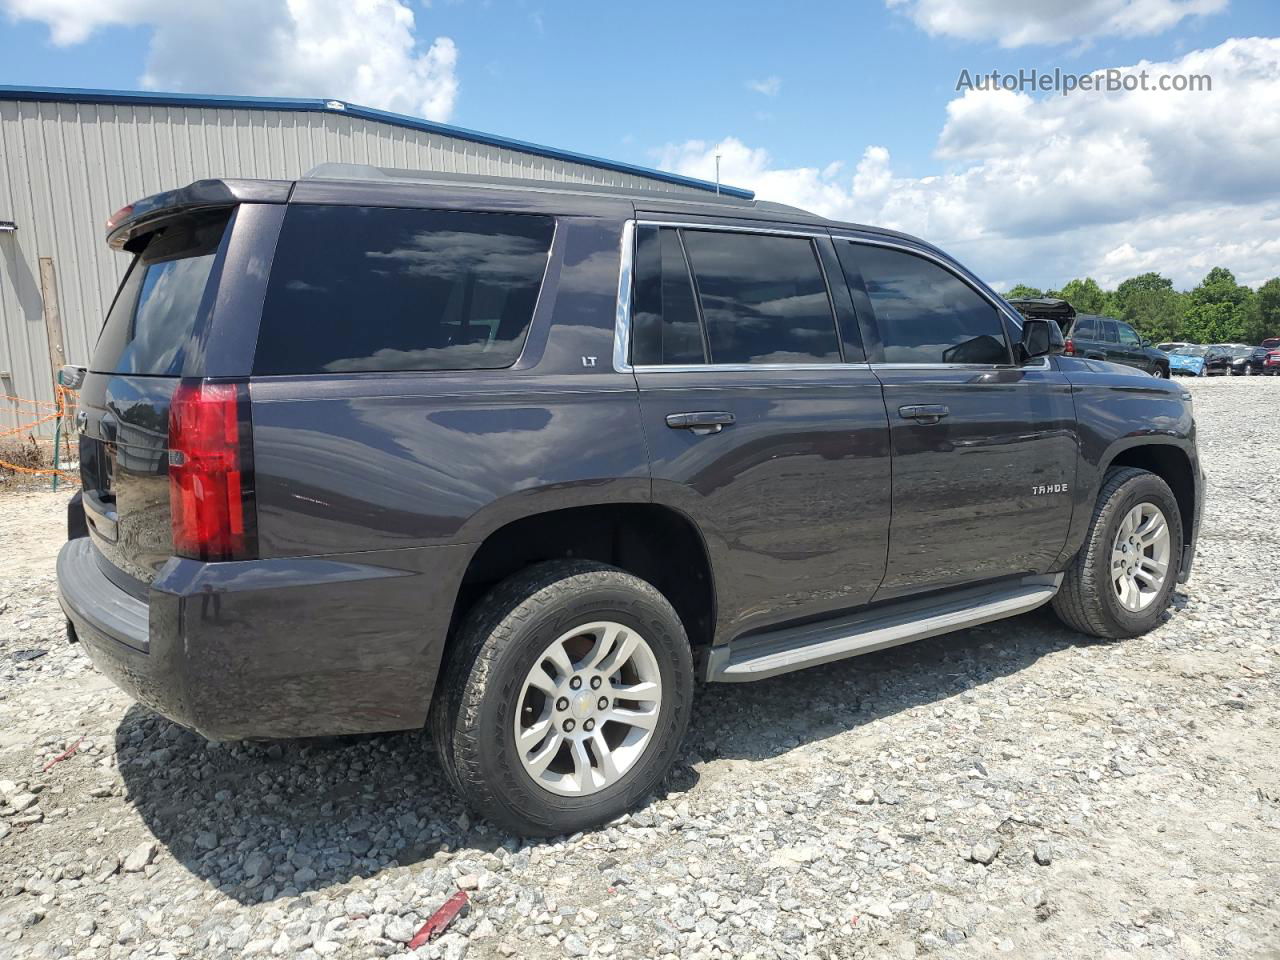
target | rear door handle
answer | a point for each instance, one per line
(924, 412)
(712, 421)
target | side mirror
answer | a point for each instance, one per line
(1146, 342)
(1038, 340)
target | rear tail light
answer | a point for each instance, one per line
(1069, 348)
(211, 472)
(119, 217)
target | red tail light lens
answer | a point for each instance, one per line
(1069, 348)
(211, 472)
(119, 217)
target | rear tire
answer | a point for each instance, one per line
(525, 749)
(1097, 593)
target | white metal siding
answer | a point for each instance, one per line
(65, 167)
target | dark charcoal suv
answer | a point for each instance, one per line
(524, 462)
(1097, 337)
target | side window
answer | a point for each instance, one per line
(763, 298)
(1127, 335)
(1109, 333)
(381, 288)
(665, 327)
(1085, 329)
(926, 314)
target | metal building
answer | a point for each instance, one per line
(70, 158)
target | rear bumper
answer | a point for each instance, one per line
(271, 648)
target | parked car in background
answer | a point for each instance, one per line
(1217, 360)
(524, 463)
(1167, 347)
(1238, 355)
(1095, 337)
(1265, 357)
(1188, 361)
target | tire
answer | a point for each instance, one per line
(488, 687)
(1162, 373)
(1088, 600)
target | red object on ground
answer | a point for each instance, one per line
(440, 920)
(62, 756)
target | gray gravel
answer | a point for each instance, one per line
(1010, 790)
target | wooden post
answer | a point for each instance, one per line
(52, 317)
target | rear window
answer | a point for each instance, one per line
(373, 288)
(159, 311)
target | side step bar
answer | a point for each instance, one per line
(793, 648)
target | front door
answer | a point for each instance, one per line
(763, 425)
(984, 451)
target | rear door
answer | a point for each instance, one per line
(764, 422)
(984, 451)
(1109, 335)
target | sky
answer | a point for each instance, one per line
(855, 110)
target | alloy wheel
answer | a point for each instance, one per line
(1140, 557)
(588, 708)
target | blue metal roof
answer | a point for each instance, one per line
(307, 105)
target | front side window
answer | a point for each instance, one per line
(1127, 335)
(763, 298)
(380, 289)
(926, 314)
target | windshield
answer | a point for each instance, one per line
(1191, 351)
(1241, 351)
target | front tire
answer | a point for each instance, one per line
(565, 698)
(1120, 582)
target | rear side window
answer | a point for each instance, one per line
(1108, 329)
(926, 314)
(1085, 329)
(764, 298)
(665, 328)
(158, 318)
(375, 288)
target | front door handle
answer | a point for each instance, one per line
(924, 412)
(712, 421)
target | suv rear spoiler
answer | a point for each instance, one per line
(142, 216)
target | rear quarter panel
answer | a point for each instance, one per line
(363, 462)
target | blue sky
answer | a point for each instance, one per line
(793, 96)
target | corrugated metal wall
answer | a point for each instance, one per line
(65, 167)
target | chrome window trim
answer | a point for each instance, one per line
(622, 320)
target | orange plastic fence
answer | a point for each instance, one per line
(43, 412)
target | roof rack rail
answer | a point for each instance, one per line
(364, 171)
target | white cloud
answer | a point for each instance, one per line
(770, 86)
(1046, 189)
(1016, 23)
(365, 51)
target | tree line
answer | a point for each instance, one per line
(1217, 310)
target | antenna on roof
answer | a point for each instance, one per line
(717, 173)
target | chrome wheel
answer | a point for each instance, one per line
(588, 709)
(1140, 557)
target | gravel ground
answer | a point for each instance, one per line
(1009, 790)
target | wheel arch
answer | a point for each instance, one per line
(1172, 464)
(654, 542)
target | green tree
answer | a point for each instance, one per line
(1265, 321)
(1085, 295)
(1219, 310)
(1156, 313)
(1021, 290)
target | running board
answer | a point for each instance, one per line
(793, 648)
